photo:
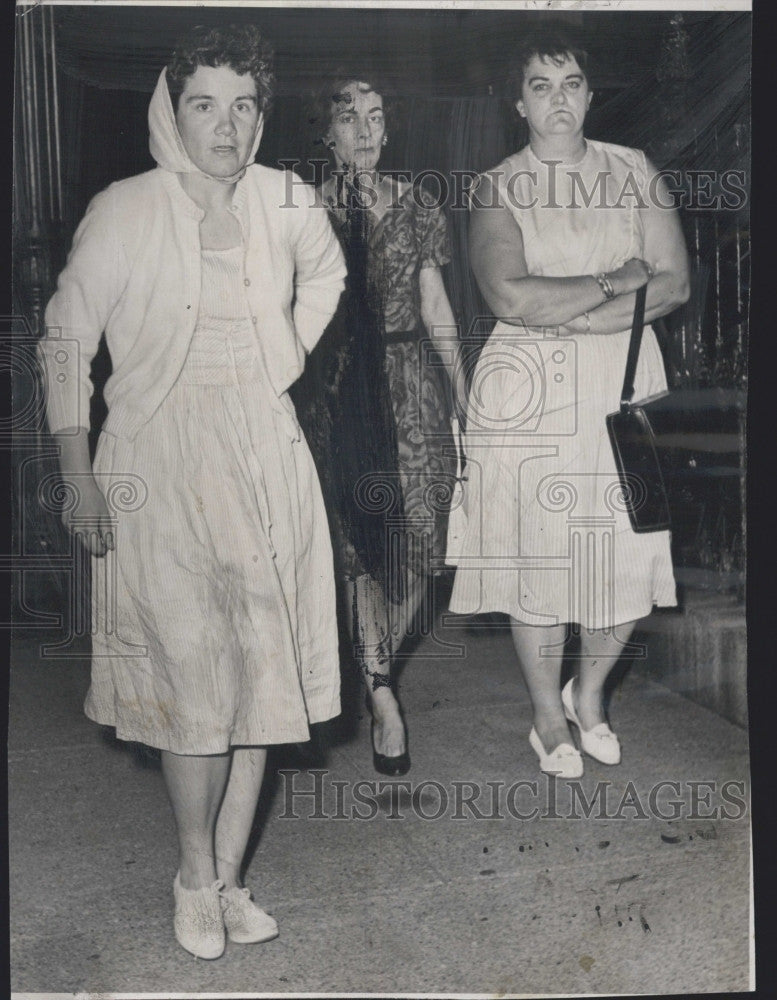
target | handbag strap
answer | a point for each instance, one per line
(634, 344)
(458, 440)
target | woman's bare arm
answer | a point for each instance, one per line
(515, 296)
(438, 316)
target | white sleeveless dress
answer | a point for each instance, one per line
(548, 539)
(214, 620)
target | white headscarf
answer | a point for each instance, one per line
(165, 140)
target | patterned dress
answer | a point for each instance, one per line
(393, 390)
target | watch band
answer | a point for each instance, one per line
(606, 285)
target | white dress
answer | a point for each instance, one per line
(214, 619)
(548, 539)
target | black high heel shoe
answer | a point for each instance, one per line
(392, 766)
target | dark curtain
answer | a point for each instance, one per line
(692, 113)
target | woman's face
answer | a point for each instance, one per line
(217, 118)
(355, 134)
(554, 98)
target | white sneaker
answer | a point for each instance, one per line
(198, 923)
(246, 923)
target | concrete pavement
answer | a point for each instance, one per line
(461, 880)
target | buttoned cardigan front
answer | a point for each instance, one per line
(134, 273)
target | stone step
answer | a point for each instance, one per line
(700, 651)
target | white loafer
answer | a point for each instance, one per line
(601, 743)
(564, 762)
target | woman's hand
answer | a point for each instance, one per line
(630, 276)
(664, 247)
(88, 518)
(85, 511)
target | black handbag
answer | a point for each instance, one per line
(635, 445)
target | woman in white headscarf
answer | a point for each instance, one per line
(213, 592)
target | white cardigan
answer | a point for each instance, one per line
(134, 272)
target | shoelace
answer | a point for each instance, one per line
(234, 902)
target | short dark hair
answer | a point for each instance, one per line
(241, 47)
(334, 90)
(553, 45)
